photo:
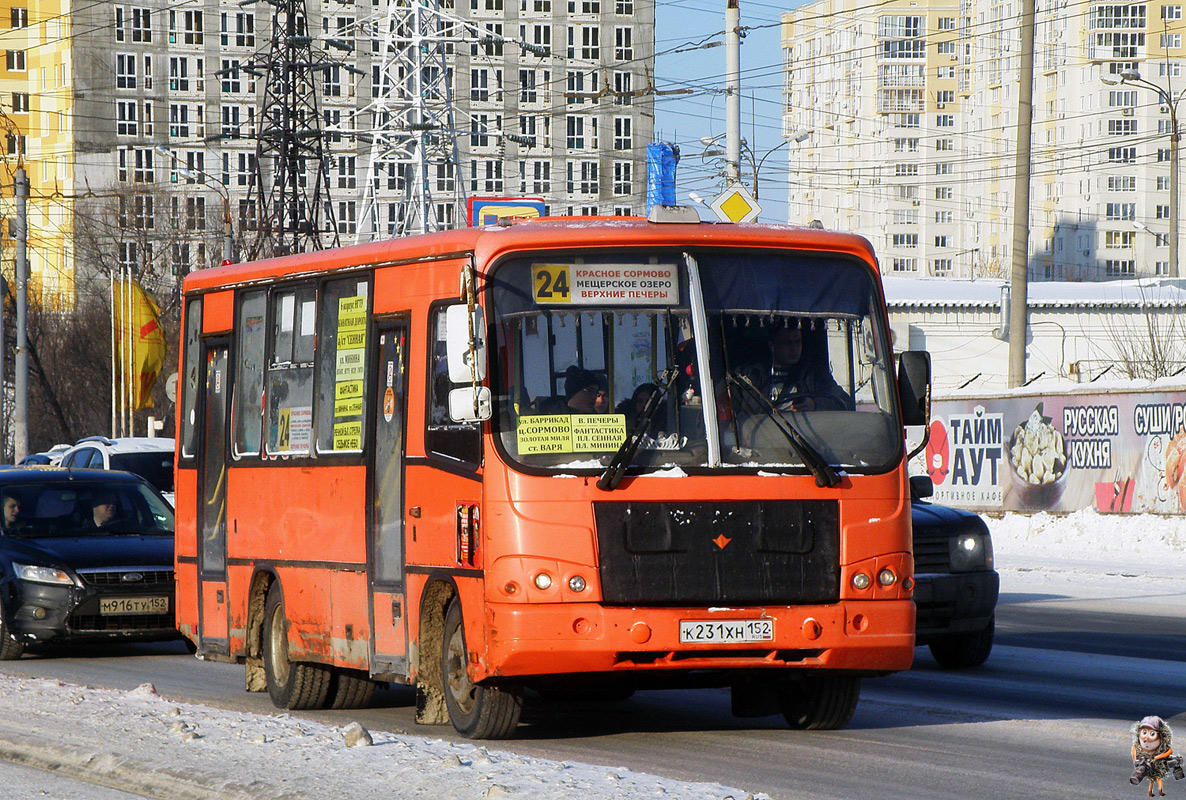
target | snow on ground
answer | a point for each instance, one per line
(1093, 556)
(140, 741)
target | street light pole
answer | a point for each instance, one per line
(20, 417)
(762, 160)
(228, 233)
(1133, 78)
(1175, 137)
(733, 91)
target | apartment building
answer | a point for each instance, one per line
(913, 109)
(137, 122)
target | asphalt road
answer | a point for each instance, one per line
(1048, 715)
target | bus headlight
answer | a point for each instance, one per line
(887, 577)
(861, 581)
(576, 583)
(543, 581)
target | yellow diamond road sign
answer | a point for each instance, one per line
(736, 204)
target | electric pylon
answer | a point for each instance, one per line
(413, 134)
(294, 213)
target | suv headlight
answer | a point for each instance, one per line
(971, 552)
(36, 574)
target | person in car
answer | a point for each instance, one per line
(104, 510)
(12, 511)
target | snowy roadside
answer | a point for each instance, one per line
(141, 742)
(1092, 556)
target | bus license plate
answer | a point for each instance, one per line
(725, 631)
(110, 606)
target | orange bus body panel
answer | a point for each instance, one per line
(218, 315)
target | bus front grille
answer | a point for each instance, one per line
(769, 552)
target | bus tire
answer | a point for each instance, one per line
(820, 702)
(476, 711)
(10, 648)
(350, 690)
(965, 650)
(291, 684)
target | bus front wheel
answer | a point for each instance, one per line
(820, 702)
(291, 684)
(476, 711)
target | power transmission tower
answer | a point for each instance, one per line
(294, 213)
(413, 134)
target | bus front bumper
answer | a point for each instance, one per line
(547, 639)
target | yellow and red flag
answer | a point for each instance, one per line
(138, 324)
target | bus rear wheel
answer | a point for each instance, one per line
(291, 684)
(820, 702)
(476, 711)
(348, 689)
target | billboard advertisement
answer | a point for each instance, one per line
(492, 210)
(1117, 452)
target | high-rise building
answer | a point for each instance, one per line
(913, 108)
(137, 122)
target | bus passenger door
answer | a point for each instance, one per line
(211, 517)
(386, 499)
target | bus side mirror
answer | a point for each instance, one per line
(468, 404)
(914, 387)
(466, 356)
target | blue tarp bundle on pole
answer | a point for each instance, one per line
(661, 160)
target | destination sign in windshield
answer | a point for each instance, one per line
(606, 284)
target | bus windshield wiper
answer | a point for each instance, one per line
(825, 476)
(621, 460)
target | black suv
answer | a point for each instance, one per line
(955, 585)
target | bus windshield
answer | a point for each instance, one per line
(789, 347)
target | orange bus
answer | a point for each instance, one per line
(574, 454)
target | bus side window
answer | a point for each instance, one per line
(341, 365)
(248, 383)
(189, 382)
(290, 372)
(457, 441)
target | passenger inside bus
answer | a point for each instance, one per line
(633, 406)
(584, 393)
(793, 371)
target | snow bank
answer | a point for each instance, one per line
(139, 741)
(1094, 556)
(1155, 542)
